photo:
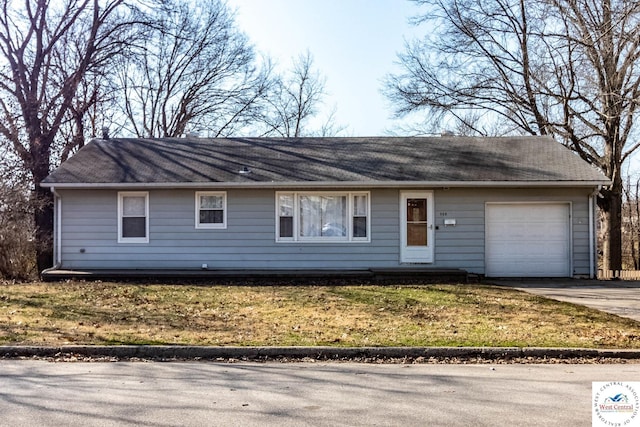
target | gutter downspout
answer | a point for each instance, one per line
(593, 242)
(57, 231)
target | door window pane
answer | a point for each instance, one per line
(417, 234)
(416, 210)
(417, 222)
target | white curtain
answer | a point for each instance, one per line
(211, 202)
(323, 216)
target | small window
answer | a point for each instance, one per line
(322, 217)
(285, 215)
(211, 210)
(133, 217)
(360, 214)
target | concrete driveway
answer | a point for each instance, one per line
(616, 297)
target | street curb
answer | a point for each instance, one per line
(318, 353)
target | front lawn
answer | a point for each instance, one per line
(77, 312)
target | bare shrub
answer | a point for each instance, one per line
(17, 243)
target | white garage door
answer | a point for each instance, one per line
(528, 240)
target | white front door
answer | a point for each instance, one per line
(416, 227)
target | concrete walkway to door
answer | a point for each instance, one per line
(617, 297)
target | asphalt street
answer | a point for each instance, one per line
(39, 393)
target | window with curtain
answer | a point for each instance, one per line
(320, 216)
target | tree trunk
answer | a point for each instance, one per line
(44, 229)
(610, 201)
(43, 216)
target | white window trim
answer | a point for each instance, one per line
(221, 226)
(121, 195)
(296, 217)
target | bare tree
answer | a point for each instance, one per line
(17, 249)
(91, 114)
(194, 70)
(295, 99)
(330, 125)
(565, 68)
(47, 48)
(631, 223)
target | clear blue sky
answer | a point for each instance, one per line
(353, 42)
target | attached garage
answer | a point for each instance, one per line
(528, 239)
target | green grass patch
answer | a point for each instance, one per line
(105, 313)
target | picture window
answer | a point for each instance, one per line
(322, 217)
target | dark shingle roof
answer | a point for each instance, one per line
(316, 160)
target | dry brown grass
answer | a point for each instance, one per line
(426, 315)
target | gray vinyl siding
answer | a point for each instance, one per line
(463, 246)
(89, 232)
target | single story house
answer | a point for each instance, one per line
(500, 207)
